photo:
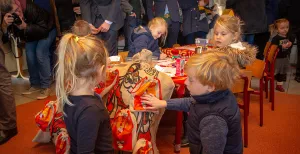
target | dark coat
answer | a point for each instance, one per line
(159, 9)
(290, 9)
(97, 11)
(141, 38)
(252, 13)
(39, 24)
(191, 17)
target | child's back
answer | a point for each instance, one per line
(90, 122)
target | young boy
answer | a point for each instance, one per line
(214, 117)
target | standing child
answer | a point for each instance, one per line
(82, 63)
(214, 124)
(147, 37)
(284, 43)
(227, 32)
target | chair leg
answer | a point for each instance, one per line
(272, 93)
(266, 87)
(261, 107)
(245, 129)
(178, 132)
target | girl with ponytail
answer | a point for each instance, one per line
(82, 63)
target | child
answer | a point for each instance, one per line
(81, 28)
(284, 42)
(147, 37)
(226, 38)
(214, 124)
(82, 63)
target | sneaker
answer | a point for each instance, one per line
(280, 88)
(6, 135)
(44, 93)
(31, 90)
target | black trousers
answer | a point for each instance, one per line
(260, 40)
(295, 30)
(111, 41)
(7, 100)
(173, 31)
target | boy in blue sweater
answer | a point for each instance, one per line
(214, 117)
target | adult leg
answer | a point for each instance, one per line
(111, 41)
(173, 31)
(130, 24)
(297, 78)
(190, 39)
(43, 59)
(30, 49)
(8, 126)
(248, 38)
(201, 34)
(260, 40)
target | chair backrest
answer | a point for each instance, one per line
(272, 53)
(267, 48)
(176, 45)
(123, 55)
(243, 82)
(257, 68)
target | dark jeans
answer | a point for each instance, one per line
(130, 24)
(38, 55)
(173, 31)
(248, 38)
(190, 38)
(261, 40)
(111, 41)
(7, 100)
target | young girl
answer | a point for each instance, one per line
(284, 42)
(226, 38)
(147, 37)
(82, 63)
(214, 124)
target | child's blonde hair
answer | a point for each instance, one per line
(158, 21)
(273, 27)
(214, 68)
(78, 58)
(231, 23)
(81, 28)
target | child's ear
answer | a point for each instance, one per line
(236, 36)
(211, 88)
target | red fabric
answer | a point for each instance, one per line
(122, 126)
(182, 52)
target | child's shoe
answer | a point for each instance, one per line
(280, 88)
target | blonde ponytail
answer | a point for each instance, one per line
(78, 57)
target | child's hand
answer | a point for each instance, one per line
(93, 29)
(162, 56)
(154, 102)
(289, 44)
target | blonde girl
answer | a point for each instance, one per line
(147, 37)
(227, 32)
(82, 63)
(279, 30)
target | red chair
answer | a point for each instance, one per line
(257, 69)
(241, 86)
(270, 58)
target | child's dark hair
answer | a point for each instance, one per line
(273, 27)
(81, 28)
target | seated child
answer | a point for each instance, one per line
(214, 123)
(147, 37)
(284, 42)
(227, 32)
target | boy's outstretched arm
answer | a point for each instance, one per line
(180, 104)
